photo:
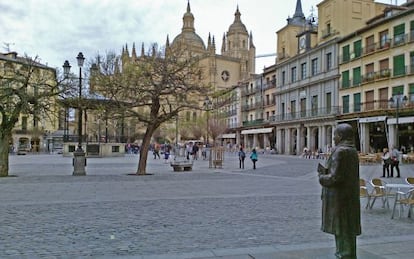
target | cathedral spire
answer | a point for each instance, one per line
(188, 20)
(223, 44)
(142, 50)
(134, 53)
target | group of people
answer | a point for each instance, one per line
(242, 157)
(390, 160)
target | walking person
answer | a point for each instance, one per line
(395, 161)
(253, 157)
(242, 156)
(386, 161)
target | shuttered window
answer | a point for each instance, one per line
(345, 53)
(345, 79)
(356, 76)
(399, 36)
(345, 104)
(399, 65)
(357, 102)
(357, 48)
(397, 90)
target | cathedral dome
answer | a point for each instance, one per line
(188, 37)
(237, 26)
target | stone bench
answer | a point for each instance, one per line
(181, 166)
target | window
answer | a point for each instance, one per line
(293, 109)
(383, 94)
(187, 116)
(314, 105)
(303, 72)
(345, 104)
(303, 107)
(399, 65)
(345, 53)
(283, 111)
(328, 103)
(357, 102)
(412, 31)
(194, 116)
(399, 36)
(369, 72)
(357, 48)
(411, 63)
(293, 75)
(411, 93)
(384, 68)
(397, 93)
(267, 99)
(283, 78)
(370, 44)
(384, 43)
(369, 100)
(356, 76)
(345, 79)
(328, 61)
(314, 66)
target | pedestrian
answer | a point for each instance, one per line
(156, 151)
(341, 215)
(189, 150)
(166, 154)
(195, 151)
(395, 161)
(242, 156)
(253, 157)
(386, 161)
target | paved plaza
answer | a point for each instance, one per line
(228, 213)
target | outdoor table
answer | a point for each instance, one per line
(398, 186)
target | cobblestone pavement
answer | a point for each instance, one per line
(45, 212)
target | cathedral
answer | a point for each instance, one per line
(235, 63)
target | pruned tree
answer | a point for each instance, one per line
(153, 89)
(26, 88)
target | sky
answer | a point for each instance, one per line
(57, 30)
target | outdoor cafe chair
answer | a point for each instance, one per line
(363, 192)
(378, 191)
(404, 199)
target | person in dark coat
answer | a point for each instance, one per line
(341, 215)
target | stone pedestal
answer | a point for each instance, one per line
(79, 162)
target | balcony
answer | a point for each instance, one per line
(253, 122)
(376, 106)
(307, 114)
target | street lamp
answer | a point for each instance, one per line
(207, 104)
(397, 108)
(79, 160)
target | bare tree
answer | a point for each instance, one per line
(26, 87)
(153, 89)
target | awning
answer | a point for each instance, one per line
(372, 119)
(256, 131)
(401, 120)
(229, 135)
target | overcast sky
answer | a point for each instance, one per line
(56, 30)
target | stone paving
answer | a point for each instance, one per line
(46, 212)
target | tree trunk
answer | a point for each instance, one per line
(143, 155)
(4, 154)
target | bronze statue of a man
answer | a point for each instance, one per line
(340, 193)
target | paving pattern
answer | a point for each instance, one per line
(45, 212)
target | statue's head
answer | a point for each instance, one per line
(343, 132)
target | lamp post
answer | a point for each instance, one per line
(397, 108)
(207, 104)
(79, 159)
